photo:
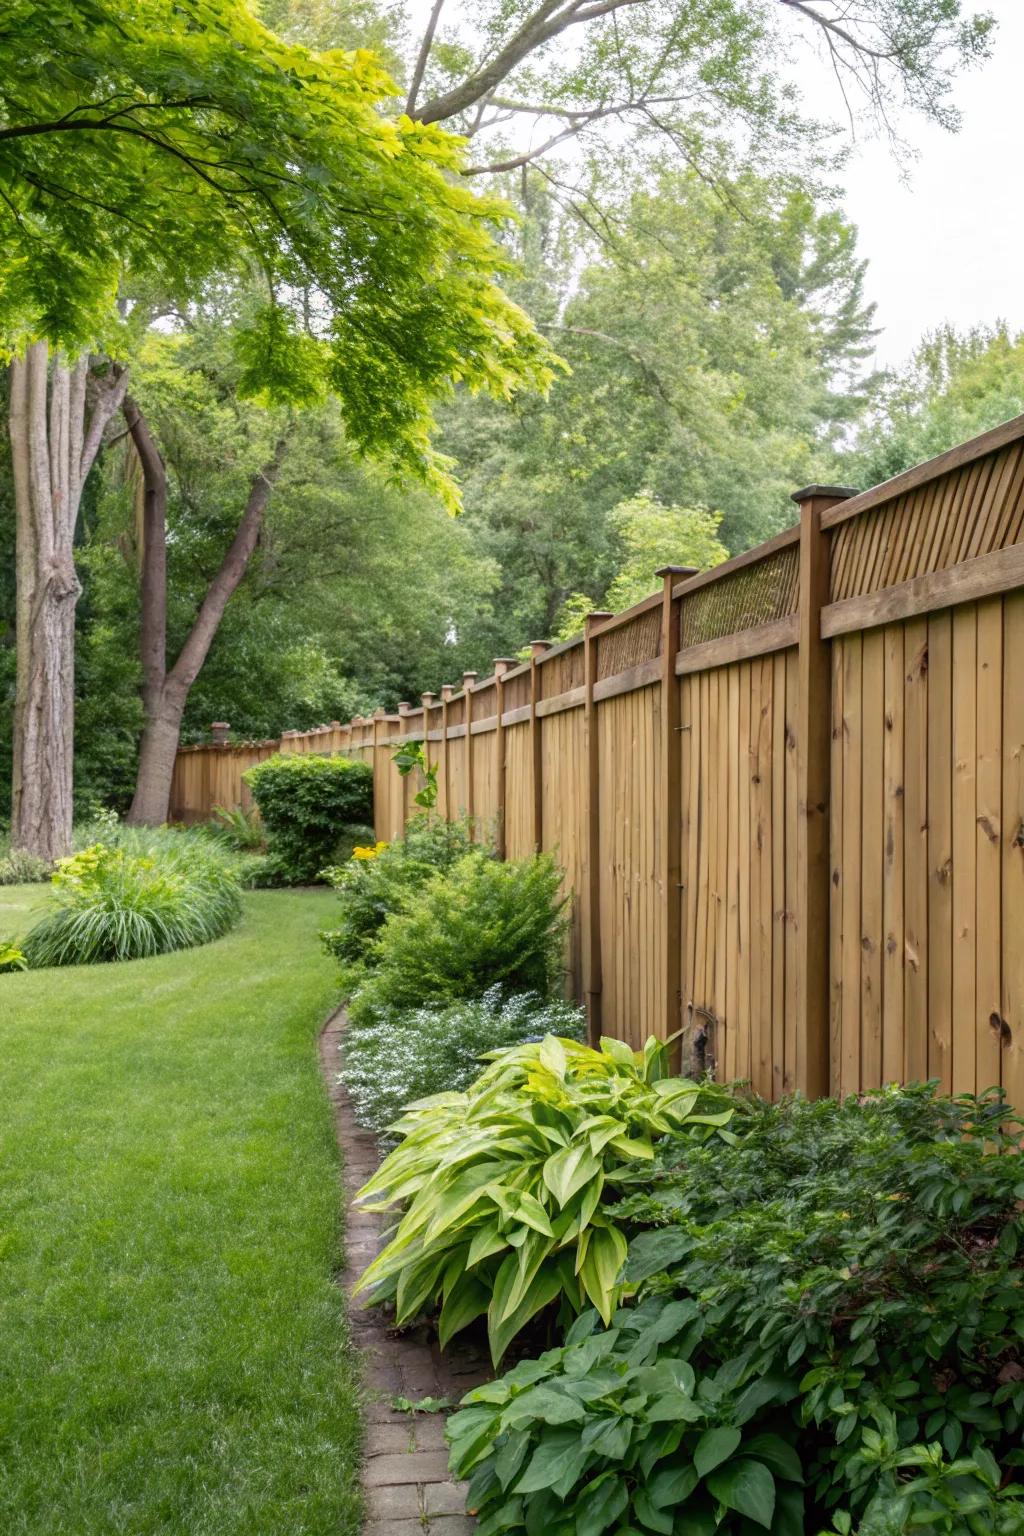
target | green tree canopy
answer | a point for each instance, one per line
(174, 141)
(953, 387)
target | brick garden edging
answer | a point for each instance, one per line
(406, 1486)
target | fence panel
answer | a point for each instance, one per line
(787, 794)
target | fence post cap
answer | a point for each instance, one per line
(597, 616)
(427, 699)
(404, 707)
(538, 647)
(502, 664)
(832, 492)
(380, 714)
(447, 689)
(469, 678)
(677, 570)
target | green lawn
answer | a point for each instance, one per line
(173, 1355)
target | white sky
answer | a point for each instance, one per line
(946, 245)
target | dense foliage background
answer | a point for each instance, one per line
(705, 291)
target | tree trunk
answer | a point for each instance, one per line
(165, 693)
(56, 426)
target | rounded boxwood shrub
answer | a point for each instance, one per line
(306, 804)
(116, 904)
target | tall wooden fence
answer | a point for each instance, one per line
(788, 793)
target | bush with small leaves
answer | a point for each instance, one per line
(306, 803)
(480, 924)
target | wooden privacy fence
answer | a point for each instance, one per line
(788, 793)
(208, 775)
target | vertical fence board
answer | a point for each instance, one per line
(915, 878)
(872, 806)
(964, 846)
(988, 825)
(940, 848)
(893, 859)
(1011, 1023)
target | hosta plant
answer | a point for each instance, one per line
(11, 957)
(502, 1189)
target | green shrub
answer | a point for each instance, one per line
(20, 868)
(478, 925)
(504, 1185)
(382, 878)
(306, 804)
(11, 957)
(116, 904)
(395, 1058)
(837, 1298)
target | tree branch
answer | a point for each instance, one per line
(422, 57)
(232, 568)
(549, 19)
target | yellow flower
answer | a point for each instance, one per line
(367, 852)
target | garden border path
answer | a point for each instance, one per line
(406, 1486)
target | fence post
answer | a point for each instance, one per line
(537, 649)
(378, 770)
(501, 666)
(446, 781)
(592, 930)
(468, 679)
(813, 752)
(670, 851)
(403, 730)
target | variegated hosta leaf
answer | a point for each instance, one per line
(500, 1188)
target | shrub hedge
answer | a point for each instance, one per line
(306, 804)
(385, 878)
(477, 925)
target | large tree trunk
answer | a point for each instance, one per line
(56, 424)
(165, 693)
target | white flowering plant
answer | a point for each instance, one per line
(395, 1056)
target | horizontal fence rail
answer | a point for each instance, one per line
(787, 793)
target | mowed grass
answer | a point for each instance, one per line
(173, 1355)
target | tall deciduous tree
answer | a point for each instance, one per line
(178, 140)
(58, 414)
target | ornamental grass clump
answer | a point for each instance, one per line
(502, 1190)
(394, 1058)
(17, 867)
(110, 903)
